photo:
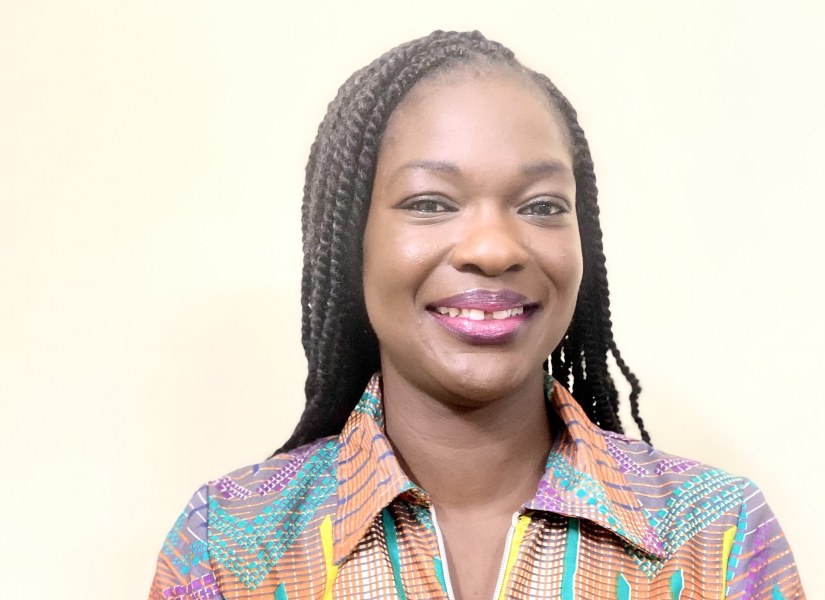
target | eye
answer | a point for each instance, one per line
(428, 205)
(544, 206)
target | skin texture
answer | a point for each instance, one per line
(474, 189)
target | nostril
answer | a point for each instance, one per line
(471, 268)
(490, 261)
(490, 247)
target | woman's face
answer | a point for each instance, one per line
(472, 258)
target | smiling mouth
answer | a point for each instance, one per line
(475, 314)
(483, 317)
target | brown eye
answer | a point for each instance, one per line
(428, 205)
(543, 207)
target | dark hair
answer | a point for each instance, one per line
(340, 346)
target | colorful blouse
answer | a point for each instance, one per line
(611, 518)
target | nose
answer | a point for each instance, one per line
(489, 244)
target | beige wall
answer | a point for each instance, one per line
(151, 158)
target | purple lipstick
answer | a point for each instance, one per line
(483, 316)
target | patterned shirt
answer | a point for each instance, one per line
(611, 518)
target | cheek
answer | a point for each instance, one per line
(390, 274)
(572, 264)
(396, 259)
(373, 266)
(397, 263)
(564, 265)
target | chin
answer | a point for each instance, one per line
(482, 383)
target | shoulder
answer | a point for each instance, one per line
(285, 482)
(685, 499)
(680, 496)
(652, 475)
(305, 467)
(257, 510)
(266, 506)
(674, 489)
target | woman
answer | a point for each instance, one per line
(452, 244)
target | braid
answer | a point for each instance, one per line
(339, 344)
(594, 387)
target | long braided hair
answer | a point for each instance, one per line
(339, 343)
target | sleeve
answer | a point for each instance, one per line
(183, 570)
(760, 563)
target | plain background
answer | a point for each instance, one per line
(151, 166)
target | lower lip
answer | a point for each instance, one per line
(486, 332)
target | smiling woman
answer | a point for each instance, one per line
(453, 256)
(474, 186)
(468, 234)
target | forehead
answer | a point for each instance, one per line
(479, 118)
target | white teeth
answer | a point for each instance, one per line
(475, 314)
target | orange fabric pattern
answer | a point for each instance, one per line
(611, 518)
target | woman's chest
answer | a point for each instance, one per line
(545, 555)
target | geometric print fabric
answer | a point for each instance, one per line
(611, 518)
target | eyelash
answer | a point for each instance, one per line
(556, 206)
(434, 205)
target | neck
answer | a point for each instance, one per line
(488, 457)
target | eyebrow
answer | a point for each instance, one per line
(547, 167)
(542, 167)
(431, 165)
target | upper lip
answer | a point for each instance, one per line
(487, 300)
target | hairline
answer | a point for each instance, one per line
(480, 67)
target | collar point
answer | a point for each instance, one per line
(652, 545)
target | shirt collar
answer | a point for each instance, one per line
(582, 479)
